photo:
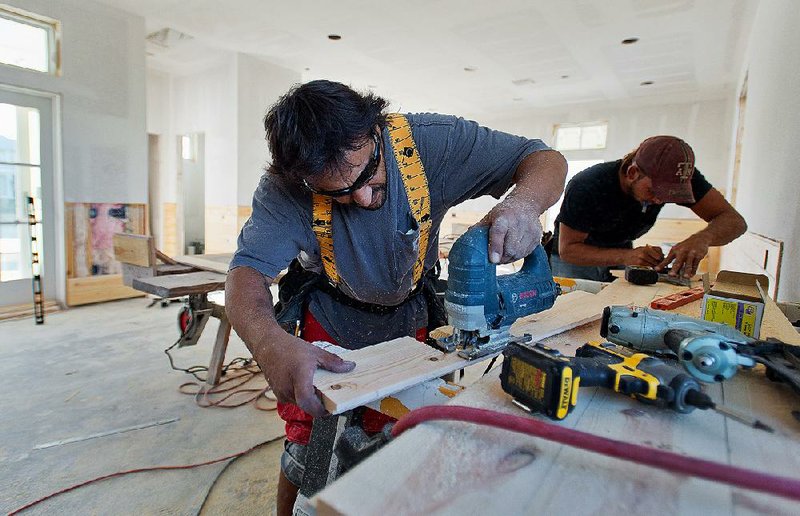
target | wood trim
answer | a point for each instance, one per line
(25, 310)
(96, 289)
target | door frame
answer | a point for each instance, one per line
(59, 258)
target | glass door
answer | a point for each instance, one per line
(26, 171)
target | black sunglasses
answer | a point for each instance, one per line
(363, 178)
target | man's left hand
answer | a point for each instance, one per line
(686, 256)
(514, 230)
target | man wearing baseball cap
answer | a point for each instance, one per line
(608, 206)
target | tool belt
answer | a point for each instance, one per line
(298, 283)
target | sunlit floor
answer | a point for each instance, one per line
(91, 393)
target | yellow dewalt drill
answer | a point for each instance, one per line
(542, 380)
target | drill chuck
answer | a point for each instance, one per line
(704, 356)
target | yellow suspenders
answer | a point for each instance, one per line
(416, 185)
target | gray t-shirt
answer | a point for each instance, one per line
(375, 251)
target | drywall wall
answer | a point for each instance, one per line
(706, 125)
(159, 123)
(259, 86)
(102, 87)
(768, 189)
(224, 97)
(205, 102)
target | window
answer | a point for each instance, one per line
(584, 136)
(29, 41)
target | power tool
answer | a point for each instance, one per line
(709, 351)
(639, 275)
(481, 306)
(542, 380)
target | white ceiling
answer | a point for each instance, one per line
(526, 55)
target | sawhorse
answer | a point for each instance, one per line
(194, 316)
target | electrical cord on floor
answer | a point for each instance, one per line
(193, 370)
(240, 370)
(233, 457)
(238, 377)
(672, 462)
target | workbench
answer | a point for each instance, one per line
(460, 468)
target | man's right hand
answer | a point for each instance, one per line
(646, 256)
(289, 363)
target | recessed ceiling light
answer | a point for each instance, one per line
(334, 37)
(523, 82)
(565, 76)
(470, 69)
(645, 83)
(629, 41)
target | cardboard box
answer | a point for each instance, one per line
(736, 300)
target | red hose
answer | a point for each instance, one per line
(740, 477)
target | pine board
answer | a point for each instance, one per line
(207, 262)
(177, 285)
(389, 367)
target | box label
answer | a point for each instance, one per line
(737, 314)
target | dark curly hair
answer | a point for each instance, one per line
(314, 124)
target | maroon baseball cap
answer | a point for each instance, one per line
(669, 163)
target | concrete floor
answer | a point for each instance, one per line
(101, 368)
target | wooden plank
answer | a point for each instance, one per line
(455, 468)
(756, 254)
(164, 269)
(575, 310)
(178, 285)
(96, 289)
(390, 367)
(208, 262)
(382, 370)
(134, 249)
(218, 353)
(775, 324)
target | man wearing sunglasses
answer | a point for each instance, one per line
(335, 205)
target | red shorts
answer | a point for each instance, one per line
(298, 423)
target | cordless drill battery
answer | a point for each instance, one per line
(539, 379)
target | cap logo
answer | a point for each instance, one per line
(684, 170)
